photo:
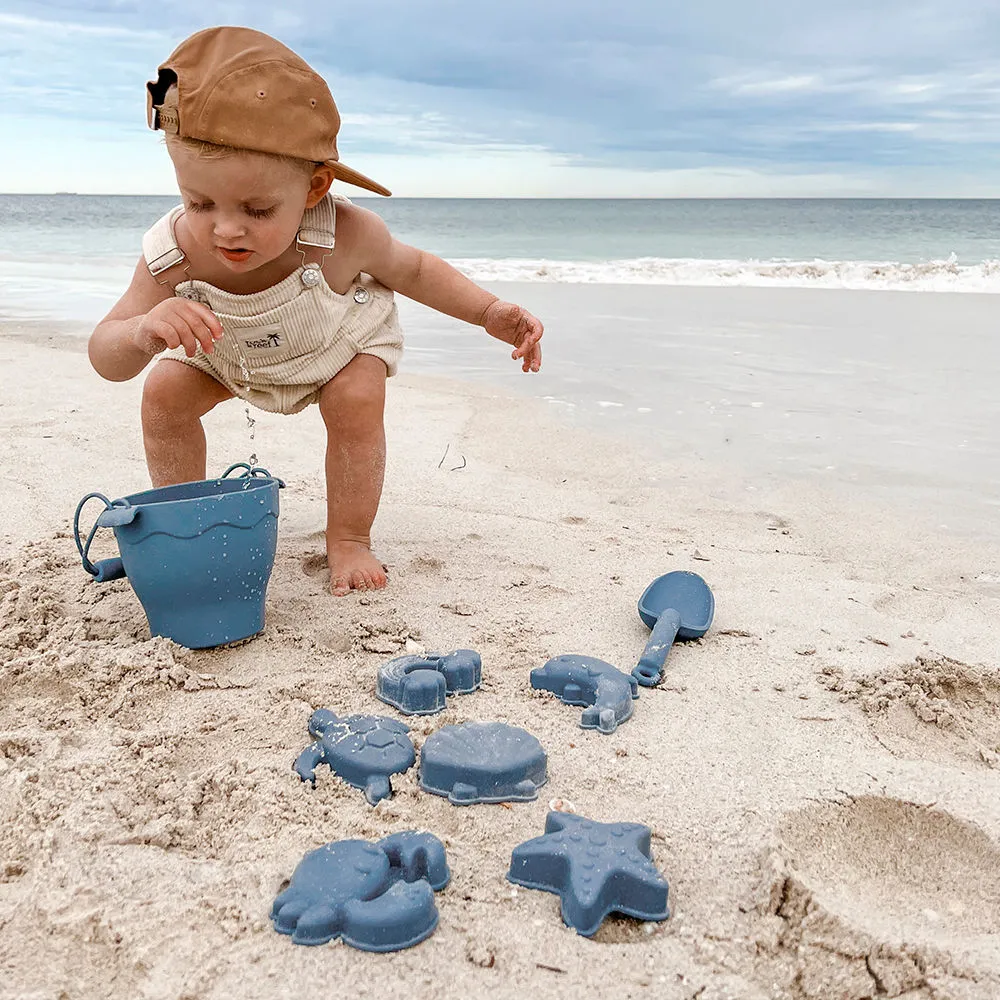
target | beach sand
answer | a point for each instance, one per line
(820, 772)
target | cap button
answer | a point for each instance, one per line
(361, 295)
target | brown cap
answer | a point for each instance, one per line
(239, 87)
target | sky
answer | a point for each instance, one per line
(545, 98)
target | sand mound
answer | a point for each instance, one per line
(933, 706)
(63, 642)
(879, 897)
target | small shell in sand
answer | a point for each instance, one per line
(562, 805)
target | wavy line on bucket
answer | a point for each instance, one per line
(211, 527)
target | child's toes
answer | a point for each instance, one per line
(340, 584)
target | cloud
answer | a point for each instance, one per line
(647, 86)
(766, 87)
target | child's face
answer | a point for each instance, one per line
(245, 209)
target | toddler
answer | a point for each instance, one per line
(264, 286)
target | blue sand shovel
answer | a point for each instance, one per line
(677, 605)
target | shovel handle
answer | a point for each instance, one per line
(650, 666)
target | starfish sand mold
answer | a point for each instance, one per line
(595, 868)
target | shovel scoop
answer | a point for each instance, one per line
(677, 605)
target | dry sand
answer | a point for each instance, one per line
(820, 772)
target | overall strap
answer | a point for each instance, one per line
(318, 227)
(161, 252)
(159, 246)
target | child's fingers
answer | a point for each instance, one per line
(205, 338)
(209, 318)
(531, 336)
(532, 359)
(188, 337)
(203, 333)
(165, 332)
(203, 323)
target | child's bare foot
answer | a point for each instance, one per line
(353, 567)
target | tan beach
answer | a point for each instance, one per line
(821, 772)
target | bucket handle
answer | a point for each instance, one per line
(117, 513)
(252, 471)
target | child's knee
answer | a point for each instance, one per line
(160, 395)
(173, 390)
(355, 396)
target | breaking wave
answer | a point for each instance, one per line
(928, 276)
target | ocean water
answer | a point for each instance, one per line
(887, 394)
(69, 256)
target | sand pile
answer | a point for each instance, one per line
(960, 700)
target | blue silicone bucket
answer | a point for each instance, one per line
(198, 555)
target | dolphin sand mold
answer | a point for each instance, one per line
(585, 680)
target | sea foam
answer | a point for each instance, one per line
(929, 276)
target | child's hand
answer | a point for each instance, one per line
(513, 325)
(178, 322)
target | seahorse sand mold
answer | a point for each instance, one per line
(148, 811)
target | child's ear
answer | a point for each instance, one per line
(322, 178)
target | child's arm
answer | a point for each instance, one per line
(428, 279)
(146, 320)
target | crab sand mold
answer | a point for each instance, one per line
(374, 896)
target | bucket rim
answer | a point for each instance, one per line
(238, 487)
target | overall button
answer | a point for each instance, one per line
(311, 276)
(361, 295)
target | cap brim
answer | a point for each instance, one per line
(345, 173)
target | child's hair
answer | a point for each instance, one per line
(212, 150)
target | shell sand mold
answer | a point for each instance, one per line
(817, 844)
